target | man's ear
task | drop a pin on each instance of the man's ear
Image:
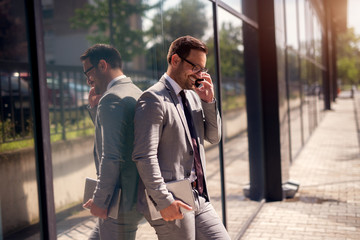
(103, 65)
(175, 60)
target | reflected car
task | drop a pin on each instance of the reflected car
(72, 95)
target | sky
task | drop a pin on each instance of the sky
(353, 15)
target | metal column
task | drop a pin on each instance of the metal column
(41, 119)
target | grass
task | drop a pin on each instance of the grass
(233, 102)
(55, 136)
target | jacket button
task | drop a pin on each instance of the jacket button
(191, 152)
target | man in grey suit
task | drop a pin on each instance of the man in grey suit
(172, 120)
(116, 95)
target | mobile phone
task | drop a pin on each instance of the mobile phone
(197, 82)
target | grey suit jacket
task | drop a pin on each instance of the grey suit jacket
(114, 144)
(162, 149)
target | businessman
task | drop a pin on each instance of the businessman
(112, 103)
(172, 120)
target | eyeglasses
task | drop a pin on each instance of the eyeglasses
(88, 70)
(196, 68)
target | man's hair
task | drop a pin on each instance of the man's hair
(103, 51)
(183, 45)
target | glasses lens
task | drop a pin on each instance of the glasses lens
(88, 70)
(196, 69)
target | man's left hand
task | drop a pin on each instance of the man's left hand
(95, 210)
(206, 91)
(93, 98)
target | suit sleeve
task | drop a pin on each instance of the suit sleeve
(92, 112)
(115, 117)
(148, 124)
(212, 123)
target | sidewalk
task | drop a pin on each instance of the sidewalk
(327, 205)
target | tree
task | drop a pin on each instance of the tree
(116, 22)
(348, 61)
(186, 18)
(231, 53)
(232, 65)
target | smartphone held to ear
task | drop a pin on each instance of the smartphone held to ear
(197, 82)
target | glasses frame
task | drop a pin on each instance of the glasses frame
(203, 70)
(88, 70)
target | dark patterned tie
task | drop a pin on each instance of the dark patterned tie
(197, 161)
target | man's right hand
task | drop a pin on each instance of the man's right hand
(173, 212)
(95, 210)
(93, 98)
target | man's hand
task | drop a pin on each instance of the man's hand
(93, 98)
(172, 212)
(95, 210)
(206, 91)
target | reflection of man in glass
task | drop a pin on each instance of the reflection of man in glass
(172, 120)
(112, 105)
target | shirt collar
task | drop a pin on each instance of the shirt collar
(173, 84)
(114, 80)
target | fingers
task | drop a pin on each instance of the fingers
(98, 212)
(173, 212)
(184, 205)
(88, 204)
(93, 98)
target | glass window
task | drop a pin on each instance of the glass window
(305, 99)
(293, 79)
(18, 191)
(302, 31)
(142, 31)
(283, 103)
(235, 4)
(318, 41)
(291, 24)
(236, 154)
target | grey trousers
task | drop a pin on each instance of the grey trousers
(202, 224)
(124, 227)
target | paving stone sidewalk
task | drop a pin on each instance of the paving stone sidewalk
(327, 205)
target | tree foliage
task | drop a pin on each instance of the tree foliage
(185, 18)
(231, 52)
(348, 57)
(127, 34)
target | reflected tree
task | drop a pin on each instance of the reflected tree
(348, 61)
(232, 64)
(185, 18)
(116, 22)
(231, 51)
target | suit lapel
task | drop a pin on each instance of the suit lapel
(180, 111)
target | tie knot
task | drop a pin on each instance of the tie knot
(182, 94)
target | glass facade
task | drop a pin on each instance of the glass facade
(18, 190)
(142, 30)
(233, 101)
